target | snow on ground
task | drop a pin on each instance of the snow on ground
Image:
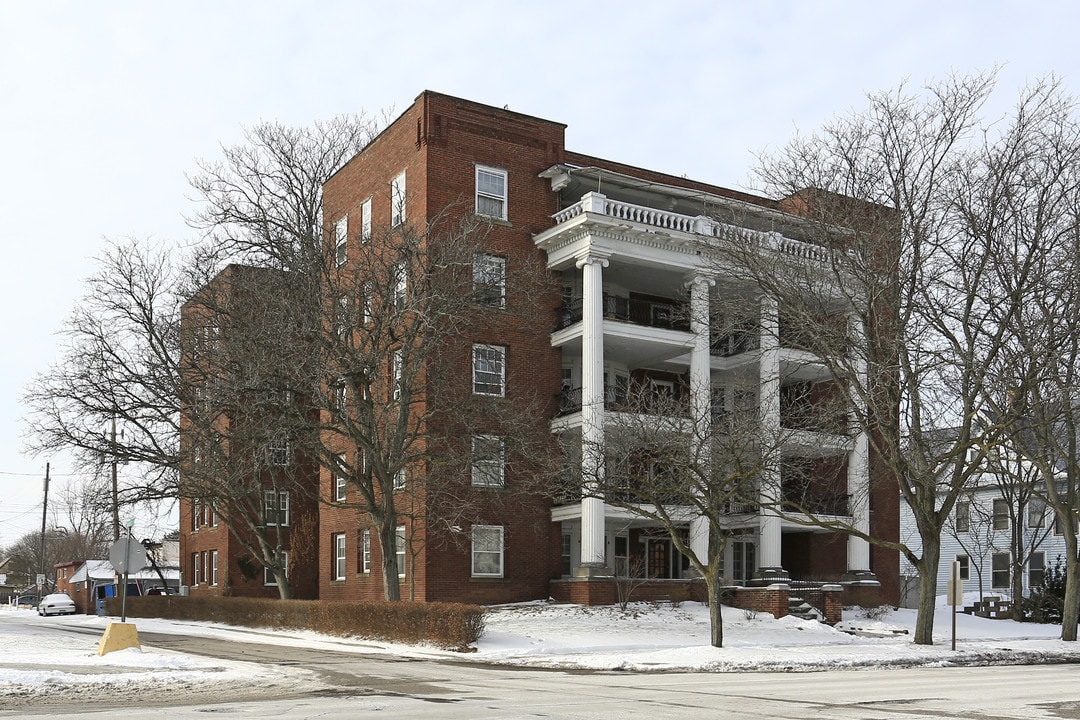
(36, 661)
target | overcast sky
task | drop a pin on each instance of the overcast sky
(105, 106)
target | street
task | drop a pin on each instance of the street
(360, 685)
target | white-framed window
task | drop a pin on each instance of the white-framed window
(365, 551)
(203, 566)
(277, 453)
(1036, 569)
(487, 551)
(489, 370)
(268, 575)
(491, 192)
(488, 461)
(194, 568)
(365, 220)
(566, 555)
(213, 566)
(400, 478)
(212, 515)
(1001, 514)
(276, 507)
(963, 516)
(366, 300)
(489, 280)
(399, 543)
(196, 513)
(965, 566)
(401, 285)
(342, 324)
(339, 556)
(341, 240)
(397, 200)
(341, 395)
(395, 375)
(1036, 513)
(999, 575)
(339, 479)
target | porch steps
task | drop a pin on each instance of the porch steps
(802, 609)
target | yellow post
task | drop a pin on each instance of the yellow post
(118, 636)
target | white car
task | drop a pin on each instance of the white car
(56, 604)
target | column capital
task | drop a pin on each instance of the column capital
(592, 256)
(699, 277)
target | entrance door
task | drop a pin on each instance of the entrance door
(658, 558)
(744, 561)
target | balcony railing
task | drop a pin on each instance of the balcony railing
(691, 224)
(649, 313)
(617, 399)
(819, 503)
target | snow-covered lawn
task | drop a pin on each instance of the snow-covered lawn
(37, 661)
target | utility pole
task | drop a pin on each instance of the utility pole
(44, 517)
(115, 487)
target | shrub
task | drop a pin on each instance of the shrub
(1044, 604)
(454, 626)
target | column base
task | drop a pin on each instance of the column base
(592, 571)
(769, 575)
(859, 577)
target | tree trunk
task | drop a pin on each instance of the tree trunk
(388, 545)
(283, 586)
(716, 620)
(927, 567)
(1070, 611)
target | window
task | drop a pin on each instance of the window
(341, 395)
(488, 461)
(276, 508)
(399, 479)
(341, 240)
(489, 280)
(399, 545)
(489, 370)
(999, 577)
(211, 515)
(401, 285)
(339, 556)
(196, 513)
(395, 375)
(342, 324)
(277, 453)
(487, 551)
(365, 551)
(1036, 569)
(195, 568)
(622, 556)
(965, 567)
(339, 479)
(1001, 514)
(366, 300)
(565, 556)
(202, 566)
(397, 200)
(268, 575)
(963, 516)
(213, 567)
(491, 192)
(365, 220)
(1036, 513)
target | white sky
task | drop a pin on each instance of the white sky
(104, 107)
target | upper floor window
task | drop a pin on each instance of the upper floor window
(341, 240)
(276, 507)
(963, 516)
(397, 200)
(491, 192)
(400, 478)
(489, 280)
(339, 479)
(489, 370)
(401, 285)
(1001, 514)
(488, 461)
(1036, 513)
(365, 220)
(277, 453)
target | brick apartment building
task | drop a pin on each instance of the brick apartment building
(620, 246)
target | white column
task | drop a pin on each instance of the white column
(858, 475)
(700, 397)
(592, 409)
(769, 562)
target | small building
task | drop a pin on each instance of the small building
(89, 582)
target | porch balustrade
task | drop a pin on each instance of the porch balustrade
(669, 316)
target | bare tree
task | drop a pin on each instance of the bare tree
(883, 246)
